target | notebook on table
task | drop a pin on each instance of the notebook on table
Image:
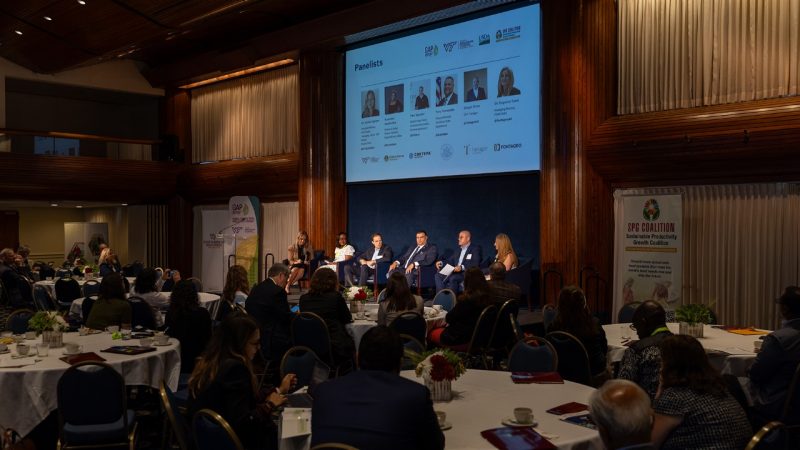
(128, 349)
(568, 408)
(536, 377)
(81, 357)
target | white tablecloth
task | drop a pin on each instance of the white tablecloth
(484, 398)
(360, 326)
(51, 284)
(729, 353)
(29, 393)
(207, 300)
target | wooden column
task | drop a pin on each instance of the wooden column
(322, 195)
(578, 94)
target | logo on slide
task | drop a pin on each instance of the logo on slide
(484, 39)
(498, 147)
(448, 46)
(447, 152)
(431, 50)
(474, 149)
(466, 43)
(365, 159)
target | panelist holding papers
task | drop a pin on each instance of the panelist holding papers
(469, 255)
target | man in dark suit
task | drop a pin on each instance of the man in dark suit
(268, 304)
(502, 290)
(467, 255)
(449, 97)
(477, 92)
(374, 407)
(369, 260)
(421, 102)
(421, 255)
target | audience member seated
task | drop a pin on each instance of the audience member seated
(621, 411)
(223, 381)
(23, 265)
(234, 294)
(268, 305)
(342, 252)
(111, 307)
(467, 255)
(420, 255)
(13, 281)
(375, 254)
(188, 322)
(505, 252)
(324, 300)
(641, 362)
(573, 316)
(374, 407)
(502, 290)
(692, 408)
(398, 300)
(108, 262)
(774, 367)
(461, 320)
(300, 253)
(148, 287)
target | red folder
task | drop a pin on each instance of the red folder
(568, 408)
(536, 377)
(81, 357)
(508, 438)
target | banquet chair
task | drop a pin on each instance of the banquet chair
(475, 350)
(573, 360)
(198, 285)
(17, 321)
(333, 446)
(625, 314)
(86, 306)
(446, 298)
(92, 408)
(301, 361)
(67, 290)
(212, 432)
(549, 313)
(175, 423)
(503, 336)
(142, 314)
(412, 348)
(410, 323)
(771, 436)
(46, 272)
(91, 287)
(789, 413)
(382, 296)
(533, 354)
(43, 300)
(309, 330)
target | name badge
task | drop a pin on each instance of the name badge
(469, 256)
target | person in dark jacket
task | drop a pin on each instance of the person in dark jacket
(324, 300)
(268, 305)
(188, 322)
(575, 318)
(461, 320)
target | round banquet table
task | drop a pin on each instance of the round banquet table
(208, 301)
(29, 392)
(728, 352)
(358, 327)
(51, 284)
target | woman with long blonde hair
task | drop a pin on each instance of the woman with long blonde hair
(300, 253)
(505, 252)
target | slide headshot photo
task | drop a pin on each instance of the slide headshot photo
(369, 102)
(446, 90)
(505, 83)
(394, 98)
(475, 85)
(419, 94)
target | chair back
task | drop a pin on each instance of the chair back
(549, 313)
(412, 324)
(309, 330)
(503, 335)
(573, 360)
(212, 432)
(177, 421)
(446, 298)
(791, 406)
(552, 283)
(302, 362)
(412, 348)
(198, 285)
(142, 314)
(46, 272)
(382, 295)
(483, 330)
(771, 436)
(43, 300)
(625, 314)
(67, 290)
(533, 355)
(17, 321)
(521, 276)
(91, 393)
(91, 287)
(86, 306)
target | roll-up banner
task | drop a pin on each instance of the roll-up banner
(241, 239)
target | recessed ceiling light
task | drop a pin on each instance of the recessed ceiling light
(79, 206)
(54, 204)
(48, 18)
(18, 32)
(124, 204)
(81, 2)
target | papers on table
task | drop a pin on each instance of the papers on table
(295, 422)
(8, 361)
(447, 270)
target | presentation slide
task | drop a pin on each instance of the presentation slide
(463, 99)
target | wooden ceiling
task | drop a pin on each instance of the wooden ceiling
(156, 32)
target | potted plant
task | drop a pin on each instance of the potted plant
(439, 368)
(51, 325)
(691, 318)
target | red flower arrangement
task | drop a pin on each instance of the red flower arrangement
(360, 295)
(441, 368)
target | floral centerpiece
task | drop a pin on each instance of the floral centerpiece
(691, 318)
(357, 296)
(439, 368)
(51, 325)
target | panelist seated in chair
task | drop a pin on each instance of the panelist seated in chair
(374, 407)
(467, 255)
(375, 254)
(421, 255)
(343, 252)
(300, 253)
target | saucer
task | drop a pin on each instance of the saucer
(445, 426)
(162, 345)
(511, 422)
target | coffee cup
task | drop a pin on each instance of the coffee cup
(30, 335)
(146, 342)
(757, 345)
(112, 328)
(441, 417)
(523, 415)
(162, 339)
(71, 348)
(23, 349)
